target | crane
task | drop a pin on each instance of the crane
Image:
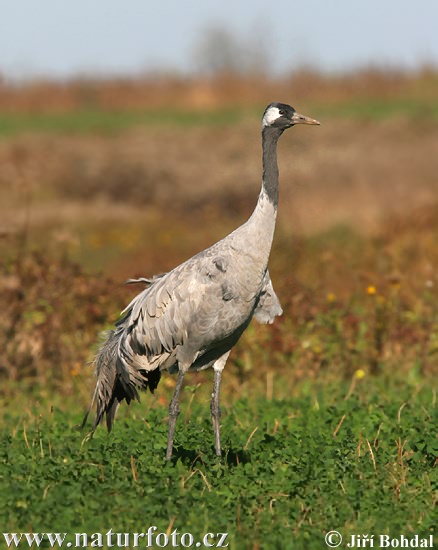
(191, 317)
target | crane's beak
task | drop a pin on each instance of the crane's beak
(301, 119)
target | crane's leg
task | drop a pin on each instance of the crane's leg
(215, 408)
(216, 411)
(173, 414)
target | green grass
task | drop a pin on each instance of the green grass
(380, 109)
(107, 121)
(356, 459)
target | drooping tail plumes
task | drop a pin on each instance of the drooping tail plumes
(113, 382)
(107, 389)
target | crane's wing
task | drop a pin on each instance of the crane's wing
(153, 323)
(176, 317)
(268, 306)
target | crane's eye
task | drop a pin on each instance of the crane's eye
(282, 112)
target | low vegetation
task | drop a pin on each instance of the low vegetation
(328, 457)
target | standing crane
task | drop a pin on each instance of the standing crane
(191, 317)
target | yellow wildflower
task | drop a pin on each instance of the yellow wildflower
(371, 290)
(331, 297)
(359, 374)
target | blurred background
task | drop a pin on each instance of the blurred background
(125, 128)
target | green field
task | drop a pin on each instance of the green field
(111, 122)
(358, 461)
(103, 121)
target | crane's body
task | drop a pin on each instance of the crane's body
(191, 317)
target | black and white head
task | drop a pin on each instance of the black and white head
(282, 116)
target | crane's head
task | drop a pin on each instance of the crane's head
(282, 116)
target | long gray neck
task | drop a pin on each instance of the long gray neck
(258, 232)
(270, 137)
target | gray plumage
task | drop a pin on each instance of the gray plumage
(191, 317)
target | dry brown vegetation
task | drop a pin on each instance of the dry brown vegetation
(353, 172)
